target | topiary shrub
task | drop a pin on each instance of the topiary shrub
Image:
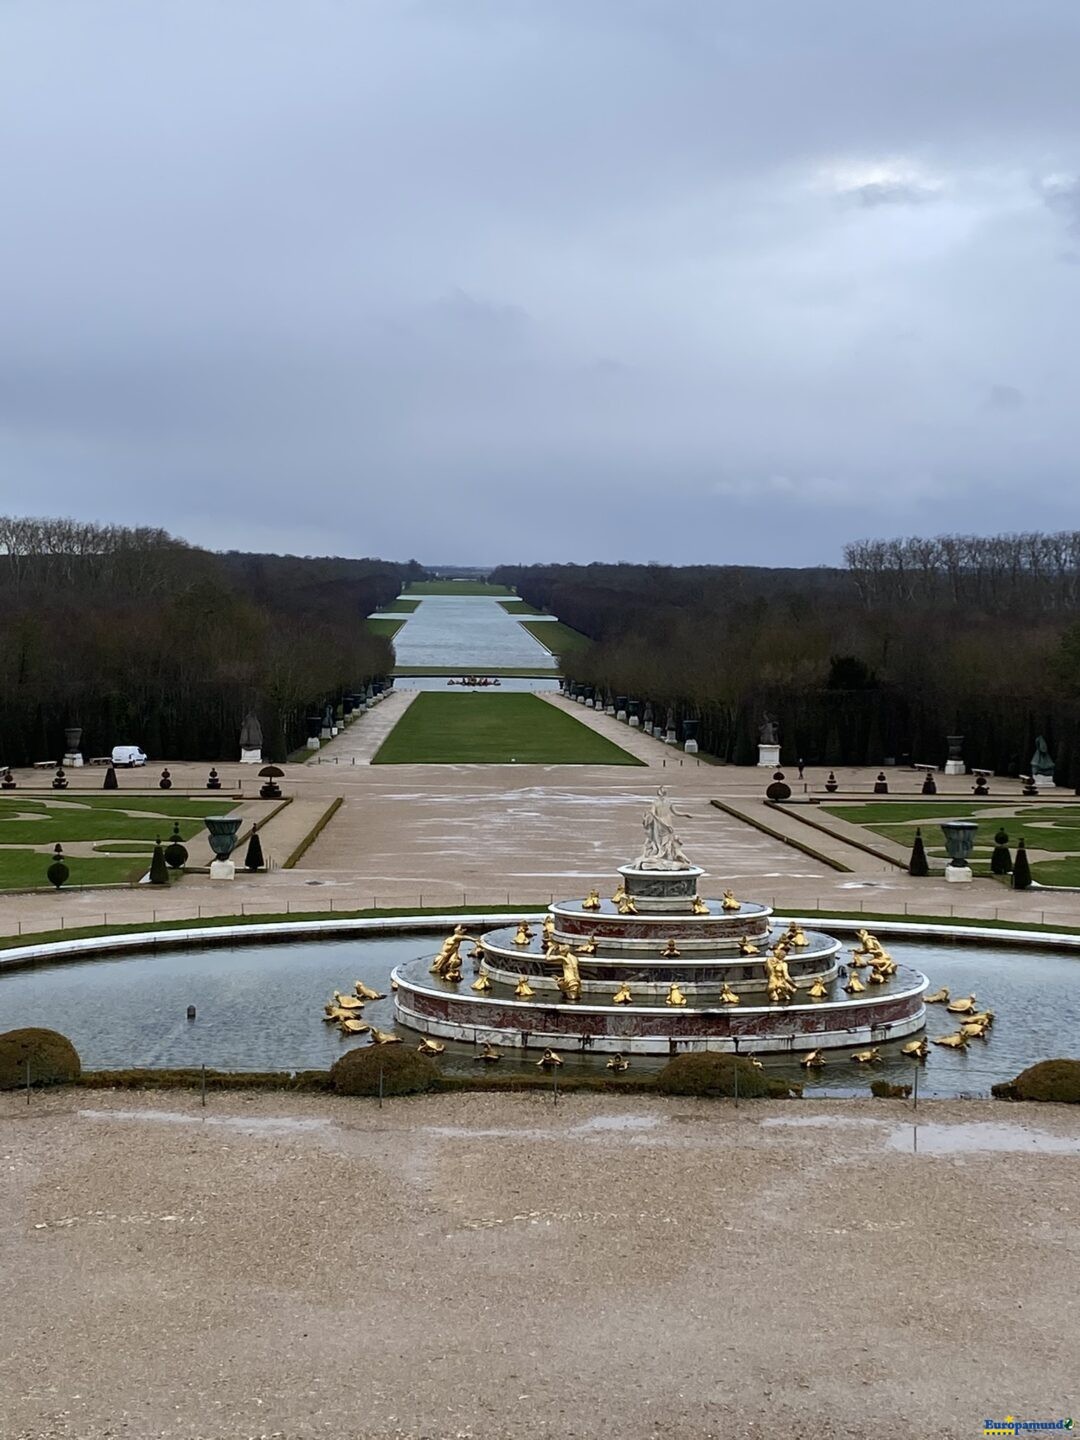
(1052, 1080)
(1021, 873)
(918, 864)
(53, 1059)
(254, 859)
(159, 871)
(703, 1073)
(404, 1072)
(1000, 859)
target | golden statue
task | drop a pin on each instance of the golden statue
(700, 907)
(747, 946)
(452, 973)
(353, 1027)
(488, 1054)
(962, 1007)
(622, 996)
(868, 944)
(481, 984)
(918, 1048)
(818, 990)
(854, 985)
(348, 1002)
(365, 992)
(670, 950)
(523, 990)
(448, 953)
(587, 947)
(570, 983)
(796, 935)
(548, 926)
(431, 1047)
(813, 1061)
(626, 905)
(728, 996)
(384, 1037)
(939, 997)
(591, 901)
(620, 892)
(877, 977)
(675, 996)
(974, 1032)
(522, 935)
(866, 1057)
(618, 1062)
(956, 1041)
(549, 1060)
(779, 985)
(729, 902)
(981, 1017)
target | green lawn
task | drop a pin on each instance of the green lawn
(389, 628)
(474, 729)
(399, 606)
(455, 587)
(100, 819)
(1044, 827)
(555, 636)
(520, 607)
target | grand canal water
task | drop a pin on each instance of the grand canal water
(472, 632)
(259, 1007)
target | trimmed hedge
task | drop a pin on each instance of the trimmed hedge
(1050, 1080)
(703, 1073)
(53, 1059)
(404, 1072)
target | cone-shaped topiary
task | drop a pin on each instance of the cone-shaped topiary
(110, 781)
(929, 785)
(159, 870)
(58, 871)
(1000, 859)
(176, 851)
(1021, 874)
(53, 1059)
(1054, 1080)
(253, 860)
(702, 1073)
(404, 1072)
(918, 864)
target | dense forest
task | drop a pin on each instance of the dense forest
(143, 639)
(913, 641)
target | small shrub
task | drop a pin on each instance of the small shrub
(254, 860)
(918, 864)
(778, 790)
(159, 871)
(404, 1072)
(1021, 874)
(53, 1059)
(703, 1073)
(1049, 1080)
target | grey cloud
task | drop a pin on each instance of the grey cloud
(897, 192)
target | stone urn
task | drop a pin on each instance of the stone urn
(223, 831)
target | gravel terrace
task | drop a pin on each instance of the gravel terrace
(491, 1266)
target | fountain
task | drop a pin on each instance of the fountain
(658, 970)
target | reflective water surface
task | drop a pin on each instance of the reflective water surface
(260, 1006)
(472, 631)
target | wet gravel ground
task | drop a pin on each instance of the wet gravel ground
(489, 1266)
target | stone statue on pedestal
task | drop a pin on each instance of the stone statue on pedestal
(662, 850)
(251, 740)
(1042, 764)
(768, 734)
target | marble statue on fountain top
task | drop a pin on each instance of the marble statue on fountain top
(662, 849)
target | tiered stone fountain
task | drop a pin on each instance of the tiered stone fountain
(657, 970)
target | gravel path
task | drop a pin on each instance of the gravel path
(489, 1266)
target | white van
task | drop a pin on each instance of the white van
(128, 755)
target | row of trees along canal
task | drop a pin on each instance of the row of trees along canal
(914, 640)
(143, 639)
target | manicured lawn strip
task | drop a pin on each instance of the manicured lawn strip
(126, 847)
(1056, 872)
(918, 811)
(25, 869)
(400, 604)
(520, 607)
(96, 820)
(504, 672)
(389, 628)
(475, 729)
(455, 587)
(1056, 828)
(555, 636)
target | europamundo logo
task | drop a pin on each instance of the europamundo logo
(1011, 1426)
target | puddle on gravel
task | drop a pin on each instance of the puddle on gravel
(272, 1124)
(842, 1122)
(986, 1136)
(616, 1122)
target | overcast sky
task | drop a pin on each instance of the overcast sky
(484, 280)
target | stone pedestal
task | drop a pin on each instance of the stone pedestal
(768, 757)
(958, 874)
(250, 757)
(690, 747)
(314, 743)
(222, 870)
(955, 767)
(661, 890)
(1042, 782)
(635, 722)
(73, 761)
(670, 738)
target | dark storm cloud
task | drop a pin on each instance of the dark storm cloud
(513, 279)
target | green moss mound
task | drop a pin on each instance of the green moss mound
(1053, 1080)
(53, 1059)
(404, 1072)
(706, 1074)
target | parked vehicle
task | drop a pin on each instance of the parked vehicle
(129, 755)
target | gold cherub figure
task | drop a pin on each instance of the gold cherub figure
(549, 1060)
(620, 892)
(488, 1054)
(854, 985)
(626, 905)
(522, 935)
(779, 985)
(570, 981)
(728, 996)
(618, 1062)
(675, 996)
(818, 990)
(700, 906)
(796, 936)
(622, 996)
(670, 950)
